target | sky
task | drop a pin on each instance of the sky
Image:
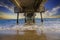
(52, 10)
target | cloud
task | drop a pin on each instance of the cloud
(11, 8)
(10, 16)
(47, 14)
(50, 13)
(14, 16)
(53, 11)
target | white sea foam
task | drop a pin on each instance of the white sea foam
(51, 29)
(46, 26)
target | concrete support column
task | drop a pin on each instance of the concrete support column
(17, 18)
(41, 17)
(29, 18)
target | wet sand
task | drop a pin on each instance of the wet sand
(28, 35)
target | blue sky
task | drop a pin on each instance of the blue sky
(49, 4)
(7, 7)
(52, 3)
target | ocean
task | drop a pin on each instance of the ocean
(46, 21)
(51, 27)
